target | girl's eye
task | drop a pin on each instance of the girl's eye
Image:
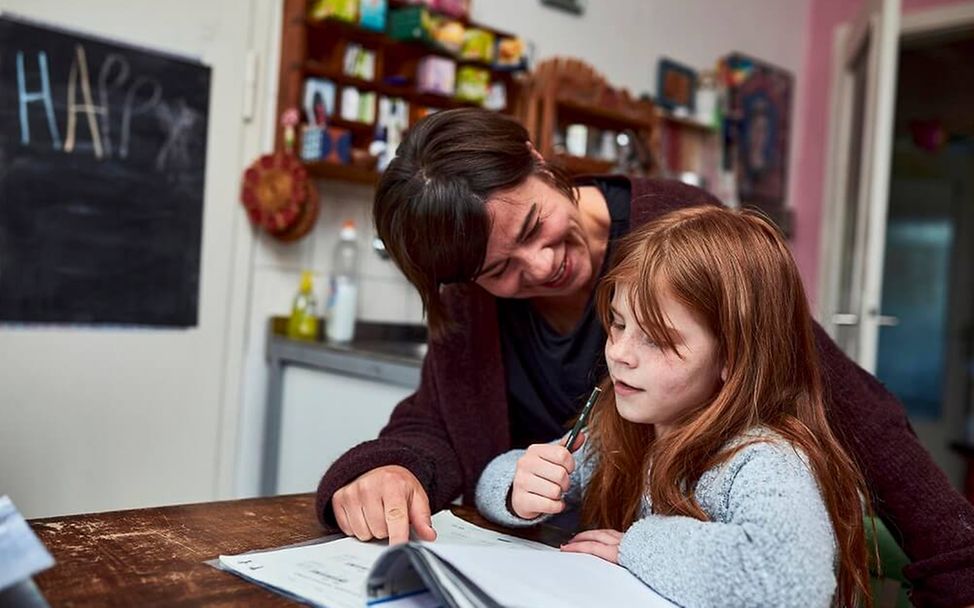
(649, 341)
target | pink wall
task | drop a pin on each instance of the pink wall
(808, 165)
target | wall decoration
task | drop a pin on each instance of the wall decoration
(676, 86)
(102, 169)
(759, 98)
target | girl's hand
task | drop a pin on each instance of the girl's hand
(600, 543)
(541, 479)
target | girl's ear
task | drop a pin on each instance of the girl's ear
(723, 374)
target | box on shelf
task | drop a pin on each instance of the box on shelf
(343, 10)
(357, 106)
(511, 54)
(329, 144)
(372, 14)
(319, 100)
(478, 45)
(472, 83)
(359, 62)
(455, 8)
(417, 23)
(435, 74)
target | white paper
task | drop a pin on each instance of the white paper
(21, 553)
(539, 579)
(333, 574)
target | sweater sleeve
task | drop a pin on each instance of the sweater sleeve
(934, 523)
(415, 438)
(495, 483)
(774, 548)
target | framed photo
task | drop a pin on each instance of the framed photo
(676, 85)
(760, 97)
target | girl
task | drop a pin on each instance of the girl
(710, 472)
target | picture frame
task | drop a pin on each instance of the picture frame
(676, 85)
(760, 99)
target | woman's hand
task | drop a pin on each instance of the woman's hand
(384, 503)
(600, 543)
(541, 479)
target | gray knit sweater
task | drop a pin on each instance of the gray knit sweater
(770, 541)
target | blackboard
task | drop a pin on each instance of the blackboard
(102, 165)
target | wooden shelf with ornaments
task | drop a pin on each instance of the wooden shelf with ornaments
(562, 92)
(316, 49)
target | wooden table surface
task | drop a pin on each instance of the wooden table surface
(155, 557)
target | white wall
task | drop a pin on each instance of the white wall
(621, 38)
(107, 418)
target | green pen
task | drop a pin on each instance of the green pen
(583, 417)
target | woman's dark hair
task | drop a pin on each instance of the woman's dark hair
(430, 205)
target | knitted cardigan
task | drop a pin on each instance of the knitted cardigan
(457, 421)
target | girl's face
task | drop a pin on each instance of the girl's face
(537, 245)
(654, 385)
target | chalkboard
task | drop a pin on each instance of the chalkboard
(102, 165)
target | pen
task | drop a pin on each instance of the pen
(583, 417)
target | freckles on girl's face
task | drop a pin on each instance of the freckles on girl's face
(653, 384)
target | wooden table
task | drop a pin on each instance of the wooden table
(147, 557)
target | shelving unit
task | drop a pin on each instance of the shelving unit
(317, 48)
(564, 91)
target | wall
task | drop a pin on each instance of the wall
(107, 418)
(808, 183)
(621, 38)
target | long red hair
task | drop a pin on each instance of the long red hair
(734, 271)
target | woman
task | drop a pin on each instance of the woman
(505, 253)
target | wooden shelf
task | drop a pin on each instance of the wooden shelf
(580, 165)
(317, 48)
(597, 116)
(370, 38)
(314, 68)
(347, 173)
(686, 121)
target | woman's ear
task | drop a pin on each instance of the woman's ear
(723, 374)
(537, 155)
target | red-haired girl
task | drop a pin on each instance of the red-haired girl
(710, 470)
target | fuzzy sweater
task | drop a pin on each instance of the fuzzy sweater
(769, 541)
(457, 421)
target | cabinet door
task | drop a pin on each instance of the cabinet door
(324, 415)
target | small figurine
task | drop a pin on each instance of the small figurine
(290, 120)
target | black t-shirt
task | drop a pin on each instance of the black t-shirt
(549, 375)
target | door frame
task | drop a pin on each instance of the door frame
(915, 23)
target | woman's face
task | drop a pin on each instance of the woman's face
(652, 384)
(538, 246)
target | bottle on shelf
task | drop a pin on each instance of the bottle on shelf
(343, 301)
(303, 322)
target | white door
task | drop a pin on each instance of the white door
(860, 147)
(96, 418)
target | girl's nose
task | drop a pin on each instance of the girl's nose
(618, 351)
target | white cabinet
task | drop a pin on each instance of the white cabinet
(323, 415)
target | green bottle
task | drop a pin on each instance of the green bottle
(303, 322)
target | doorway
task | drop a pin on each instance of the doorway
(898, 263)
(925, 356)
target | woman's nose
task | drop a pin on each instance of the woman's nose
(538, 265)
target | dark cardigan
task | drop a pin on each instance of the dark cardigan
(457, 421)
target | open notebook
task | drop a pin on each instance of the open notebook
(467, 566)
